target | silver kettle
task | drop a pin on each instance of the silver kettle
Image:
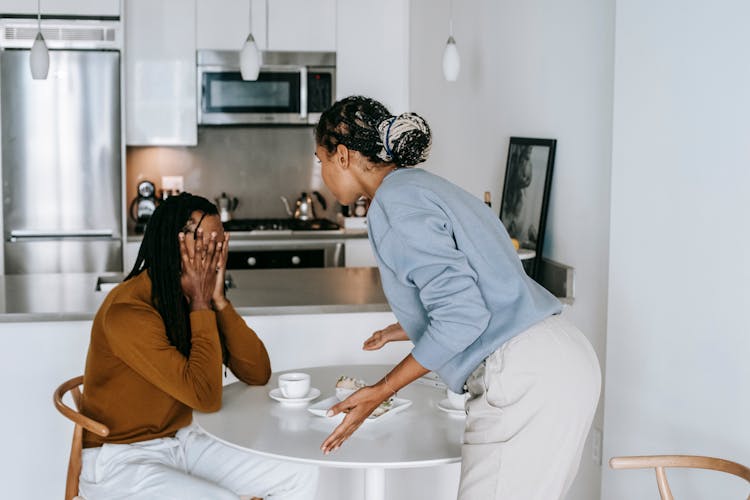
(226, 205)
(304, 209)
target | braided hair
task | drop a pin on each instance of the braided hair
(365, 125)
(159, 256)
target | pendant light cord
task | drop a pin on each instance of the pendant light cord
(267, 25)
(39, 15)
(251, 20)
(450, 17)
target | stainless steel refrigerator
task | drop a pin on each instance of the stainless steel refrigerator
(61, 162)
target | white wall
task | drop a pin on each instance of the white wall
(538, 68)
(372, 52)
(678, 376)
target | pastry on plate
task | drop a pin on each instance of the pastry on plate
(346, 386)
(384, 407)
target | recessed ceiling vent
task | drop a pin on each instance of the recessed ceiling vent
(77, 34)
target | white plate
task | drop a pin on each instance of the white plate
(321, 408)
(449, 408)
(342, 393)
(278, 396)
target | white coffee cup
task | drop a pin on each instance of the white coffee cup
(294, 385)
(456, 400)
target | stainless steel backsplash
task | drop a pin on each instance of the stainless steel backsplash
(255, 164)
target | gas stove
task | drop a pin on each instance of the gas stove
(286, 224)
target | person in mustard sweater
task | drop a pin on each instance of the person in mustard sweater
(157, 347)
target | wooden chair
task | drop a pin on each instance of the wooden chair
(661, 462)
(81, 422)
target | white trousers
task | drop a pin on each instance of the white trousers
(530, 409)
(191, 465)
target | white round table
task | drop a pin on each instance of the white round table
(419, 436)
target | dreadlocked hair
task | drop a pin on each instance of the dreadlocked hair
(365, 125)
(159, 256)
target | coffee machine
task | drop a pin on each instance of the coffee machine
(143, 205)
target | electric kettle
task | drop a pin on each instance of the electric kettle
(304, 209)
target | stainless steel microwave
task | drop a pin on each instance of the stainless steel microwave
(293, 88)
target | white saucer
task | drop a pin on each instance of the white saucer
(278, 396)
(448, 408)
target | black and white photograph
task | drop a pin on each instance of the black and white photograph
(528, 177)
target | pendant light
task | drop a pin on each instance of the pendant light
(250, 55)
(39, 60)
(451, 61)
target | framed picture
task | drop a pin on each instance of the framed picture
(523, 209)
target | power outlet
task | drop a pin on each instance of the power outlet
(173, 183)
(596, 445)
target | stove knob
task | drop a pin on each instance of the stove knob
(251, 261)
(296, 260)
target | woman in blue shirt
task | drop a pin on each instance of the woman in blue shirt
(456, 285)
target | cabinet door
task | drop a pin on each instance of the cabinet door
(297, 25)
(161, 75)
(372, 36)
(224, 24)
(301, 25)
(62, 7)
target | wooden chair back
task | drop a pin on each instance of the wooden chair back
(81, 422)
(661, 462)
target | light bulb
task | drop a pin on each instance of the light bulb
(451, 61)
(250, 59)
(39, 58)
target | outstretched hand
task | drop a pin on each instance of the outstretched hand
(390, 333)
(358, 407)
(362, 403)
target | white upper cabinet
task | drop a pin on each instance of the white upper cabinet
(372, 56)
(298, 25)
(62, 7)
(161, 102)
(223, 24)
(301, 24)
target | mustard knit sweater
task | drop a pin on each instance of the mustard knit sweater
(142, 387)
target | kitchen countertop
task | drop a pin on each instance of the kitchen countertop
(260, 292)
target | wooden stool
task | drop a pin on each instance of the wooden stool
(661, 462)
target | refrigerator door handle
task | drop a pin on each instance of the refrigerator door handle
(25, 234)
